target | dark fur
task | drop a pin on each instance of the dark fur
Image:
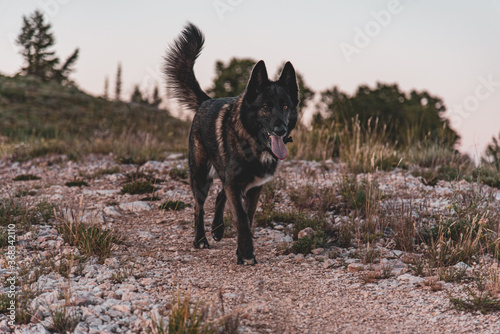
(231, 135)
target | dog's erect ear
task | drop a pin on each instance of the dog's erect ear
(258, 78)
(288, 80)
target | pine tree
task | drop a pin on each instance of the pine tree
(155, 99)
(36, 40)
(118, 87)
(137, 96)
(106, 88)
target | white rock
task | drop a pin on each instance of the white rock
(328, 263)
(462, 266)
(36, 329)
(111, 211)
(411, 279)
(355, 267)
(122, 308)
(307, 232)
(136, 206)
(103, 192)
(56, 197)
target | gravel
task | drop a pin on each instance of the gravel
(283, 293)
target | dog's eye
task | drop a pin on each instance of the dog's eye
(285, 107)
(265, 107)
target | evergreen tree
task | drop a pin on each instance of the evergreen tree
(155, 99)
(493, 152)
(231, 79)
(118, 84)
(36, 41)
(106, 88)
(137, 96)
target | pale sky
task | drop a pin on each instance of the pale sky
(450, 48)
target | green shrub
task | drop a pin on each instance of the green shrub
(138, 187)
(26, 177)
(173, 206)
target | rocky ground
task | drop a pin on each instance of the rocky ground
(329, 291)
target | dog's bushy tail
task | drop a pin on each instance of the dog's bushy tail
(179, 62)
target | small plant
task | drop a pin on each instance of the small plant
(151, 198)
(369, 254)
(106, 171)
(178, 173)
(138, 187)
(76, 183)
(482, 302)
(346, 234)
(64, 320)
(4, 302)
(45, 211)
(419, 265)
(120, 275)
(26, 177)
(24, 311)
(306, 244)
(24, 193)
(133, 160)
(311, 198)
(90, 240)
(187, 318)
(173, 206)
(451, 274)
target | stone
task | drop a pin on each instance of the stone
(328, 263)
(36, 329)
(122, 308)
(111, 211)
(462, 266)
(355, 267)
(411, 279)
(317, 251)
(307, 232)
(137, 206)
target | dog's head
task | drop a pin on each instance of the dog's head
(269, 108)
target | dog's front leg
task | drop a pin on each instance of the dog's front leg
(245, 251)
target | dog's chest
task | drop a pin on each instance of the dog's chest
(258, 181)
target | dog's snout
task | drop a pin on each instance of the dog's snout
(280, 130)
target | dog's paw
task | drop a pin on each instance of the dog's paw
(249, 262)
(218, 231)
(201, 243)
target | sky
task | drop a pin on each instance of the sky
(451, 48)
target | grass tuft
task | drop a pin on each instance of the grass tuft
(90, 240)
(76, 183)
(64, 320)
(138, 187)
(173, 206)
(26, 177)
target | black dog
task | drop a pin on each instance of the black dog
(239, 139)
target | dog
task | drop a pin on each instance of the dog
(238, 139)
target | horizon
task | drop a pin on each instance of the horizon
(445, 48)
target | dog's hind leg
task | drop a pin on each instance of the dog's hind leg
(218, 223)
(200, 184)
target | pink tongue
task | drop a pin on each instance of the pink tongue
(278, 147)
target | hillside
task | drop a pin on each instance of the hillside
(38, 118)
